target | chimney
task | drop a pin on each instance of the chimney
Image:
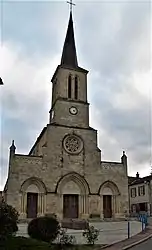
(137, 175)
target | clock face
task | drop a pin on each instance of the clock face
(73, 110)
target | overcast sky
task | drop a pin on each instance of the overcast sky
(113, 43)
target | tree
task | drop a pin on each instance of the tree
(8, 220)
(44, 228)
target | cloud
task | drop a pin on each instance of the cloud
(113, 42)
(23, 21)
(124, 117)
(122, 81)
(118, 39)
(26, 100)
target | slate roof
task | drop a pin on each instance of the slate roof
(69, 55)
(140, 180)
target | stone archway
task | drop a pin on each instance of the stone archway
(109, 193)
(33, 193)
(73, 194)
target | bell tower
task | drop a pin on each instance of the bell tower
(69, 87)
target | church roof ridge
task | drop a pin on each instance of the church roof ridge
(28, 156)
(112, 162)
(37, 140)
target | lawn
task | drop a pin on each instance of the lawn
(21, 243)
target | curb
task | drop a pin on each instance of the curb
(137, 242)
(110, 245)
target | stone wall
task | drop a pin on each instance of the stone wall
(88, 175)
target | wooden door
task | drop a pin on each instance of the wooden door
(70, 206)
(32, 201)
(107, 206)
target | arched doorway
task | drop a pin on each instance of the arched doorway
(73, 192)
(32, 198)
(107, 202)
(32, 201)
(109, 197)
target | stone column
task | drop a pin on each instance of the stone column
(60, 206)
(24, 205)
(87, 204)
(117, 206)
(113, 208)
(22, 213)
(84, 204)
(42, 211)
(41, 204)
(21, 203)
(39, 210)
(84, 212)
(45, 203)
(80, 206)
(101, 207)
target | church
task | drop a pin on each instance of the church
(63, 174)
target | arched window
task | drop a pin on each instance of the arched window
(76, 88)
(69, 86)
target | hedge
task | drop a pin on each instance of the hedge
(22, 243)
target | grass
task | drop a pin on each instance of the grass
(22, 243)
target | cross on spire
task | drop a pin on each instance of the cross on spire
(71, 3)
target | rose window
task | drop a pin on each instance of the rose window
(73, 144)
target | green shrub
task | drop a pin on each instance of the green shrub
(8, 220)
(44, 228)
(66, 240)
(91, 234)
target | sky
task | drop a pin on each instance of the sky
(113, 41)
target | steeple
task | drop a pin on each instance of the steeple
(69, 86)
(69, 55)
(12, 148)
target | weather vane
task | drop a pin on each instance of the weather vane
(70, 5)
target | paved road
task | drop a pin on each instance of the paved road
(110, 232)
(150, 220)
(147, 245)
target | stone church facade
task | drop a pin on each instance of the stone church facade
(63, 173)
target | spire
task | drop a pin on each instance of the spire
(69, 55)
(124, 158)
(12, 148)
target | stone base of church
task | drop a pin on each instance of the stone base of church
(81, 216)
(119, 216)
(85, 216)
(22, 216)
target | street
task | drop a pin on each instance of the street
(147, 245)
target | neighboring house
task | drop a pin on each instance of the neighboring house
(140, 195)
